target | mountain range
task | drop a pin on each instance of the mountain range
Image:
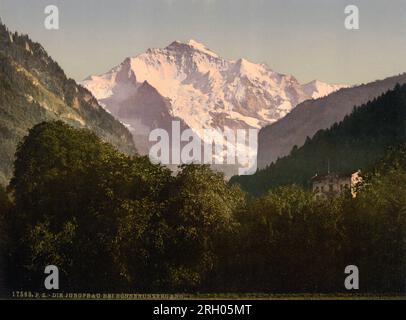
(277, 140)
(357, 142)
(33, 89)
(188, 82)
(184, 82)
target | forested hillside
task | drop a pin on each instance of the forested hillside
(277, 140)
(355, 143)
(33, 88)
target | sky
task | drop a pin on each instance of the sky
(304, 38)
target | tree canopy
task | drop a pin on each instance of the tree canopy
(113, 222)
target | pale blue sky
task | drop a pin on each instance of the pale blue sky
(305, 38)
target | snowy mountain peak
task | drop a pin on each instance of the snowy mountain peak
(201, 88)
(191, 45)
(195, 85)
(201, 47)
(318, 89)
(196, 44)
(249, 68)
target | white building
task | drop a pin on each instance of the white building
(333, 185)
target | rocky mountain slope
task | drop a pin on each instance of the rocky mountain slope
(356, 143)
(33, 89)
(278, 139)
(188, 81)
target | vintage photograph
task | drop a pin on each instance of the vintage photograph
(202, 149)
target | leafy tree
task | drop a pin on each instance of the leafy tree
(140, 243)
(112, 222)
(200, 214)
(5, 204)
(73, 193)
(291, 242)
(5, 211)
(377, 225)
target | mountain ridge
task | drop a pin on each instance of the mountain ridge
(357, 142)
(278, 139)
(34, 88)
(202, 89)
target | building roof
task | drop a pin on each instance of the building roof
(331, 175)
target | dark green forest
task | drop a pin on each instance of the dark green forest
(117, 223)
(357, 142)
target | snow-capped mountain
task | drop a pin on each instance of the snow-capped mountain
(191, 83)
